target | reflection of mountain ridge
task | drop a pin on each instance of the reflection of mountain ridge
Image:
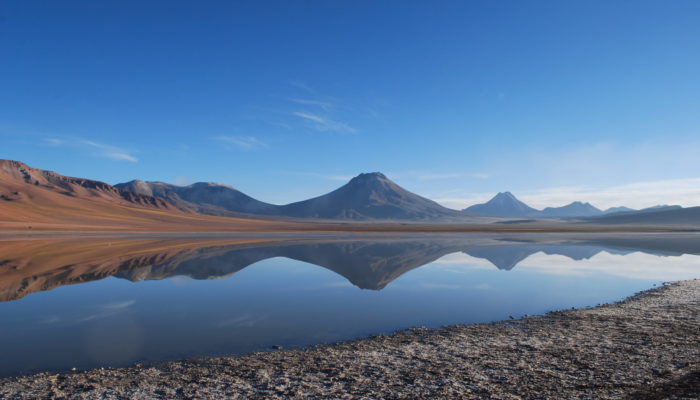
(508, 256)
(367, 264)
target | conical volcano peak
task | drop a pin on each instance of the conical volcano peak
(210, 185)
(368, 176)
(503, 204)
(370, 196)
(505, 195)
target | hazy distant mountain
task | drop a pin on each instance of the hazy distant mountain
(203, 197)
(620, 209)
(370, 196)
(575, 209)
(503, 205)
(663, 207)
(625, 210)
(667, 215)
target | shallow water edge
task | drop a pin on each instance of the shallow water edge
(646, 345)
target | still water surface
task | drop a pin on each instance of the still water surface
(81, 303)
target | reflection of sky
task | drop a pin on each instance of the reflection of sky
(283, 302)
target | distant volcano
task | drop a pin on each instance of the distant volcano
(503, 205)
(575, 209)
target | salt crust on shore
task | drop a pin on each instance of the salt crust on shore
(645, 347)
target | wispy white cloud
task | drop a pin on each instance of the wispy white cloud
(323, 123)
(330, 177)
(434, 176)
(244, 142)
(53, 141)
(637, 195)
(121, 157)
(324, 105)
(102, 150)
(302, 85)
(108, 151)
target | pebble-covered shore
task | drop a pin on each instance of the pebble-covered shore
(646, 347)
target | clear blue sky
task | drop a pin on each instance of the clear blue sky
(455, 100)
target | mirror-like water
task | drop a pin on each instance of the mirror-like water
(77, 302)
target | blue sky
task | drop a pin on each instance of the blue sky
(553, 100)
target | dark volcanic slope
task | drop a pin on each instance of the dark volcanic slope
(203, 197)
(370, 196)
(503, 205)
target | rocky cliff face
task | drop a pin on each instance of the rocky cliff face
(19, 181)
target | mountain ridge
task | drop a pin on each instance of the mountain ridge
(203, 197)
(28, 193)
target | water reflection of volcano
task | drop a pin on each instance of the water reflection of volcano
(27, 267)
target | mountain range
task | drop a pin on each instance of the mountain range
(368, 196)
(29, 195)
(507, 205)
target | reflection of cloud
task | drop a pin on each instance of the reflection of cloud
(433, 285)
(634, 266)
(50, 320)
(637, 265)
(242, 321)
(108, 309)
(448, 286)
(118, 305)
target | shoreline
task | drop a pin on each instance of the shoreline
(645, 346)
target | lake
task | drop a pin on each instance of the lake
(83, 302)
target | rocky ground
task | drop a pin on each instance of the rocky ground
(646, 347)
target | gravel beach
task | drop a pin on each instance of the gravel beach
(645, 347)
